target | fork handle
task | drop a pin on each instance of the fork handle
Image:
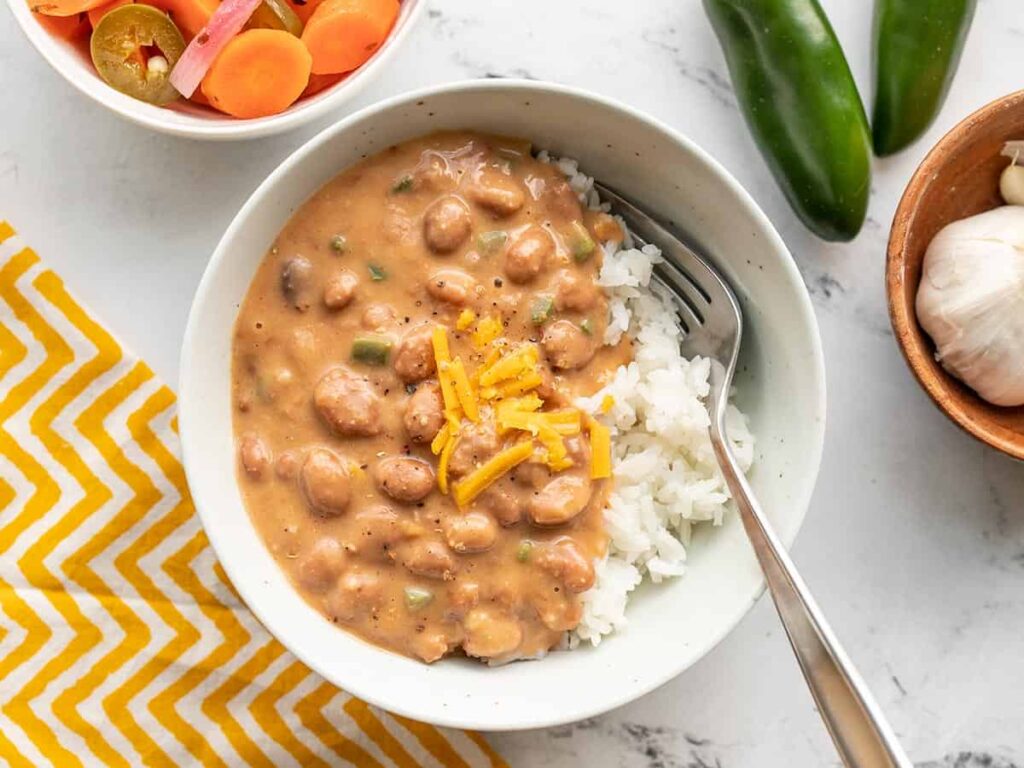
(857, 726)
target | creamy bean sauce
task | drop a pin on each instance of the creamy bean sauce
(452, 253)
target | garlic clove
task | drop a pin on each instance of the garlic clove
(1011, 184)
(971, 302)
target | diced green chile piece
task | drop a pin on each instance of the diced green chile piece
(377, 273)
(404, 184)
(541, 311)
(800, 102)
(260, 385)
(917, 49)
(120, 47)
(339, 244)
(587, 327)
(524, 550)
(372, 350)
(582, 243)
(417, 597)
(488, 243)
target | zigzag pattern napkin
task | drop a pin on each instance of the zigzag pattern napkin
(122, 642)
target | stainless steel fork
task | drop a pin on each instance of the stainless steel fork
(713, 322)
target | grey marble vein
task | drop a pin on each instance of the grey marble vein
(971, 760)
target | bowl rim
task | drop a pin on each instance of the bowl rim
(803, 485)
(223, 128)
(903, 317)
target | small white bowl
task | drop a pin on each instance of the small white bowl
(194, 121)
(781, 387)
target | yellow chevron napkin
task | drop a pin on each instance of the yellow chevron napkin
(122, 642)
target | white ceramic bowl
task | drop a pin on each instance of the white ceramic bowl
(782, 387)
(193, 120)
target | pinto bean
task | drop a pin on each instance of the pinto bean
(255, 455)
(414, 354)
(561, 202)
(566, 563)
(557, 611)
(340, 289)
(355, 593)
(497, 192)
(297, 282)
(378, 317)
(566, 346)
(463, 596)
(528, 254)
(446, 224)
(427, 558)
(453, 286)
(303, 348)
(380, 529)
(429, 645)
(325, 482)
(397, 227)
(502, 503)
(549, 390)
(287, 465)
(560, 500)
(490, 633)
(532, 475)
(434, 172)
(574, 291)
(347, 403)
(424, 413)
(475, 445)
(470, 532)
(319, 568)
(404, 478)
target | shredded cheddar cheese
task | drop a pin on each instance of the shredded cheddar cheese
(521, 420)
(447, 381)
(565, 422)
(439, 339)
(442, 464)
(454, 419)
(441, 438)
(493, 354)
(555, 454)
(519, 386)
(464, 392)
(509, 366)
(600, 450)
(506, 382)
(487, 330)
(528, 403)
(481, 478)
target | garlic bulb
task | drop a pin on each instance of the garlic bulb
(971, 302)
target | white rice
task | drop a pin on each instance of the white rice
(666, 476)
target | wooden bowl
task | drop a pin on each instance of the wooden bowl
(958, 178)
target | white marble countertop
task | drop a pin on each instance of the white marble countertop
(915, 541)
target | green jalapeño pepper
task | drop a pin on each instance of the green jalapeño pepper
(799, 99)
(917, 48)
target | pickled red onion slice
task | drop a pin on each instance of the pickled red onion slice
(226, 22)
